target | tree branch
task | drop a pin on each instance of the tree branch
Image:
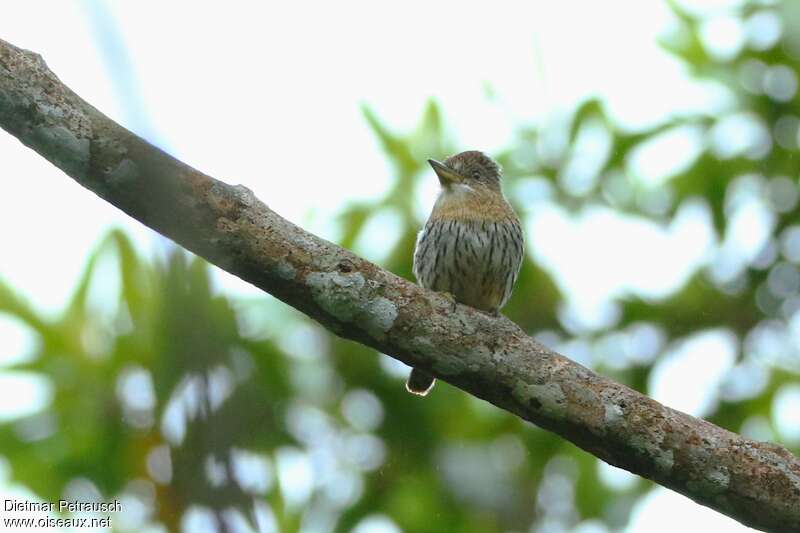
(755, 482)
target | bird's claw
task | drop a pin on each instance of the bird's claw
(450, 298)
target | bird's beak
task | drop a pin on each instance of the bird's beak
(446, 176)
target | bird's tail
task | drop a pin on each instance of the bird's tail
(419, 382)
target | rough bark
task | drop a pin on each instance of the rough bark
(756, 483)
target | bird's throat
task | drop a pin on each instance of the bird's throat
(461, 202)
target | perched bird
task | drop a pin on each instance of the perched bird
(472, 245)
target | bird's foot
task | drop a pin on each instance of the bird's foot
(450, 298)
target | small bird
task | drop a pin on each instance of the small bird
(471, 248)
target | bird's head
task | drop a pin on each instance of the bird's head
(472, 169)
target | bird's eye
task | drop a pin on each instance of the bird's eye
(476, 174)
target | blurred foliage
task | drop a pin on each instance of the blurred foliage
(198, 409)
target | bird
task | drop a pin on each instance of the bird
(471, 247)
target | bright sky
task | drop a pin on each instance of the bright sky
(268, 95)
